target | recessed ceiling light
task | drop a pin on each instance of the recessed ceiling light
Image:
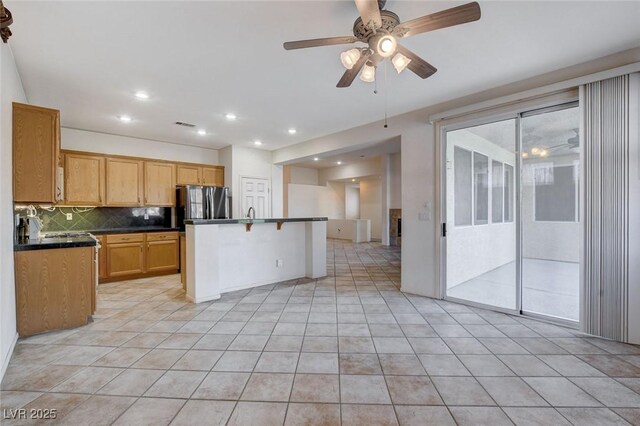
(339, 162)
(230, 116)
(257, 142)
(292, 131)
(124, 118)
(315, 158)
(142, 95)
(353, 180)
(202, 132)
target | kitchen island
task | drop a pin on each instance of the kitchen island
(225, 255)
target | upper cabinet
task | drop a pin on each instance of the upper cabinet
(189, 175)
(84, 179)
(213, 176)
(124, 182)
(36, 150)
(159, 184)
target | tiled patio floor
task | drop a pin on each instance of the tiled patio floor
(350, 349)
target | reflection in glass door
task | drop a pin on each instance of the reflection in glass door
(480, 206)
(550, 212)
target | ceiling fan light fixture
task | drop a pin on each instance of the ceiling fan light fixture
(368, 74)
(385, 45)
(350, 57)
(400, 62)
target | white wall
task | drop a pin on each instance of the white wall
(395, 196)
(356, 169)
(355, 230)
(10, 90)
(315, 200)
(352, 202)
(104, 143)
(371, 205)
(304, 175)
(468, 255)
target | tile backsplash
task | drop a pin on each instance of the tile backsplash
(101, 218)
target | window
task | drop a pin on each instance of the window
(555, 193)
(497, 191)
(481, 188)
(462, 186)
(508, 193)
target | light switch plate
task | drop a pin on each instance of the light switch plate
(69, 216)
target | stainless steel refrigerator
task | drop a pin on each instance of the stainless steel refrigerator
(202, 202)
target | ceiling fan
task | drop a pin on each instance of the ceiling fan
(381, 30)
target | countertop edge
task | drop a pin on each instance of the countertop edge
(253, 221)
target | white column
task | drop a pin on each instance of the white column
(316, 245)
(203, 279)
(385, 199)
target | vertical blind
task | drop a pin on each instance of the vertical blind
(606, 194)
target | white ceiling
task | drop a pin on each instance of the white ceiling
(199, 60)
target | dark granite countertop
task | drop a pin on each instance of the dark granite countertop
(56, 243)
(246, 220)
(132, 230)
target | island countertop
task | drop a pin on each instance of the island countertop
(252, 221)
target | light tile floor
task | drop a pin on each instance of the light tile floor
(348, 349)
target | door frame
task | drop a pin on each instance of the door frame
(517, 114)
(241, 191)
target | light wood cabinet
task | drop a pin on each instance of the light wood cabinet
(124, 182)
(159, 184)
(125, 259)
(84, 180)
(163, 255)
(55, 288)
(213, 176)
(188, 175)
(36, 151)
(102, 258)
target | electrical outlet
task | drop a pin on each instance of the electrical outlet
(69, 216)
(279, 263)
(146, 216)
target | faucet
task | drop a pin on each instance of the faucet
(251, 210)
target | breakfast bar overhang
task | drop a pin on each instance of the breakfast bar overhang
(225, 255)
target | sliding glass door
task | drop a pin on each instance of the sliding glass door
(512, 213)
(481, 229)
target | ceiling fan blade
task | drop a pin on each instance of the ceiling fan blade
(447, 18)
(350, 75)
(418, 65)
(302, 44)
(369, 12)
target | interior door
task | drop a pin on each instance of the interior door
(481, 231)
(255, 193)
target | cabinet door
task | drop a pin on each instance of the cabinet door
(189, 175)
(84, 179)
(102, 258)
(213, 176)
(162, 256)
(159, 184)
(36, 150)
(125, 259)
(53, 288)
(124, 182)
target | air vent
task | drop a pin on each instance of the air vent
(182, 123)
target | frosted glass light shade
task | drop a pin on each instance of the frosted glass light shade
(400, 62)
(349, 58)
(368, 73)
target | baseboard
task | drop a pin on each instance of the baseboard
(5, 363)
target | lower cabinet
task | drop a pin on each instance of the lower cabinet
(138, 255)
(102, 258)
(55, 288)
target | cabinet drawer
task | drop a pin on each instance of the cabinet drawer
(162, 236)
(125, 238)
